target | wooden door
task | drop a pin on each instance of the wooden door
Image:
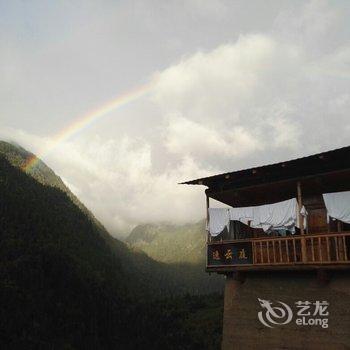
(317, 220)
(317, 214)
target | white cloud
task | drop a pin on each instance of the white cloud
(206, 8)
(184, 136)
(116, 180)
(221, 80)
(312, 25)
(246, 99)
(260, 93)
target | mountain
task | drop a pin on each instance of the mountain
(65, 283)
(172, 276)
(19, 157)
(181, 247)
(171, 243)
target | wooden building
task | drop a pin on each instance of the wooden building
(273, 257)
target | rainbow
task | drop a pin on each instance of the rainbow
(87, 119)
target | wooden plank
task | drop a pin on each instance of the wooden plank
(207, 218)
(328, 252)
(295, 253)
(300, 205)
(274, 252)
(301, 223)
(268, 251)
(345, 250)
(312, 249)
(339, 225)
(254, 258)
(287, 249)
(319, 249)
(282, 267)
(280, 247)
(261, 253)
(341, 248)
(336, 248)
(270, 239)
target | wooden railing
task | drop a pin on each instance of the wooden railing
(328, 248)
(321, 248)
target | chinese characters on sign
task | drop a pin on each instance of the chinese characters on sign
(312, 313)
(230, 254)
(307, 313)
(319, 308)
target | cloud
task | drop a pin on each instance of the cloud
(185, 136)
(312, 25)
(206, 8)
(256, 96)
(221, 80)
(246, 99)
(116, 180)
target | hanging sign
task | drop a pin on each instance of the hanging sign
(240, 253)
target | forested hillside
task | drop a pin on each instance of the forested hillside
(19, 157)
(65, 283)
(173, 276)
(171, 243)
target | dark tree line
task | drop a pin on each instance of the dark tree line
(65, 286)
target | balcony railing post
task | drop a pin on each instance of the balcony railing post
(345, 252)
(301, 224)
(207, 218)
(287, 249)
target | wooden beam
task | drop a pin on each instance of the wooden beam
(300, 206)
(207, 217)
(212, 190)
(339, 225)
(312, 249)
(285, 267)
(345, 247)
(294, 251)
(301, 223)
(280, 249)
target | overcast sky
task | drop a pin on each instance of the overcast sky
(235, 84)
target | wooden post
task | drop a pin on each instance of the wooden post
(339, 225)
(301, 223)
(207, 227)
(207, 221)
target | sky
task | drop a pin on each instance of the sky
(221, 85)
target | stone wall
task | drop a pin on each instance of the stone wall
(243, 330)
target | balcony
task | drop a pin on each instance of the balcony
(312, 251)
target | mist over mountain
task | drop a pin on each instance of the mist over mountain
(66, 283)
(171, 243)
